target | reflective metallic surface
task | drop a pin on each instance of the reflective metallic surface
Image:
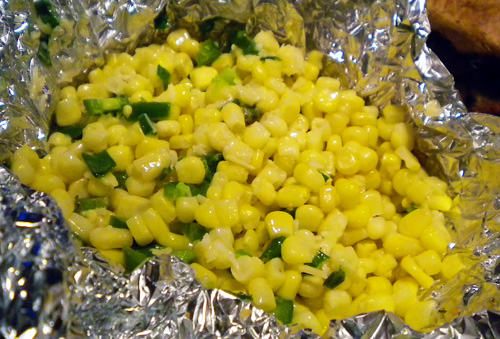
(50, 288)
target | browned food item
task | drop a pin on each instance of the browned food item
(473, 26)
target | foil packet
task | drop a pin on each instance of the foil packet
(51, 288)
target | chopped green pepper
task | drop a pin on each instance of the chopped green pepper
(121, 177)
(101, 106)
(100, 163)
(325, 177)
(85, 204)
(164, 75)
(241, 253)
(251, 113)
(188, 256)
(193, 231)
(284, 310)
(270, 58)
(155, 110)
(226, 77)
(147, 126)
(247, 44)
(161, 20)
(117, 222)
(75, 132)
(209, 52)
(273, 250)
(134, 258)
(176, 190)
(334, 279)
(243, 296)
(319, 260)
(46, 13)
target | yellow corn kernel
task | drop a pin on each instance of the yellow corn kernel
(206, 115)
(336, 303)
(411, 267)
(429, 261)
(81, 226)
(64, 201)
(311, 287)
(279, 224)
(402, 135)
(59, 139)
(202, 77)
(262, 294)
(239, 153)
(256, 135)
(227, 212)
(347, 162)
(296, 251)
(452, 264)
(167, 128)
(436, 237)
(176, 38)
(377, 301)
(122, 156)
(352, 236)
(129, 205)
(415, 222)
(393, 114)
(232, 115)
(291, 285)
(160, 232)
(206, 277)
(422, 315)
(328, 198)
(400, 245)
(369, 265)
(249, 242)
(385, 264)
(274, 124)
(439, 202)
(275, 273)
(47, 183)
(110, 237)
(378, 285)
(404, 294)
(233, 172)
(138, 187)
(190, 170)
(410, 160)
(246, 268)
(116, 134)
(24, 170)
(349, 192)
(163, 206)
(206, 215)
(95, 137)
(139, 230)
(359, 216)
(116, 257)
(68, 112)
(365, 248)
(249, 216)
(264, 190)
(219, 135)
(292, 196)
(187, 124)
(308, 177)
(68, 92)
(185, 207)
(306, 319)
(309, 217)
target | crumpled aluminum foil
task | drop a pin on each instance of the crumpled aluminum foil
(51, 288)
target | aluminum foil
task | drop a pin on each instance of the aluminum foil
(51, 288)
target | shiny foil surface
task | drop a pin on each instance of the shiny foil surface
(50, 288)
